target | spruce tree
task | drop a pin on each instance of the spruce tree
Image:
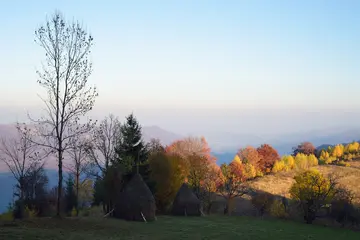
(126, 151)
(131, 151)
(70, 195)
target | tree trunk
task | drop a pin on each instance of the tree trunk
(228, 208)
(77, 193)
(58, 207)
(104, 207)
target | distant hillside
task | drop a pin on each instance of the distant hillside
(9, 131)
(224, 157)
(165, 137)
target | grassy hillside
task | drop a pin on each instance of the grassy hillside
(214, 227)
(280, 183)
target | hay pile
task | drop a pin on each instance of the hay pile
(136, 202)
(186, 203)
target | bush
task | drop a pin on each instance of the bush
(19, 209)
(7, 216)
(342, 209)
(259, 173)
(277, 209)
(85, 213)
(343, 164)
(73, 212)
(30, 213)
(262, 202)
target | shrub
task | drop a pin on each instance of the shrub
(19, 209)
(262, 202)
(73, 212)
(30, 213)
(85, 213)
(342, 209)
(277, 209)
(343, 163)
(7, 216)
(259, 173)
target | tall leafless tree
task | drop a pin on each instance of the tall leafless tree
(21, 156)
(79, 163)
(101, 149)
(64, 76)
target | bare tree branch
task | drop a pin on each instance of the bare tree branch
(21, 155)
(101, 150)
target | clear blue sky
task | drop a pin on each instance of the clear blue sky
(196, 54)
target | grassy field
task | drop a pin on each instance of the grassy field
(212, 227)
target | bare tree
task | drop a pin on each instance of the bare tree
(21, 156)
(64, 76)
(79, 163)
(101, 149)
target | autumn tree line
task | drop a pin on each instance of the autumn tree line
(95, 160)
(101, 163)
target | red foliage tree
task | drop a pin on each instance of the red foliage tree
(190, 146)
(232, 183)
(306, 148)
(249, 155)
(268, 157)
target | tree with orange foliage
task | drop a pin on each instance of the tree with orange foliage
(250, 155)
(209, 186)
(231, 183)
(268, 157)
(199, 164)
(189, 146)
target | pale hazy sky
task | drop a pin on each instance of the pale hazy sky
(165, 60)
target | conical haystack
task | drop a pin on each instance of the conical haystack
(186, 203)
(136, 202)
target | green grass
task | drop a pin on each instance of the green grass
(213, 227)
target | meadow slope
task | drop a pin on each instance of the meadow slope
(280, 183)
(212, 227)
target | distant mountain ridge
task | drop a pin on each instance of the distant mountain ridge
(224, 143)
(9, 131)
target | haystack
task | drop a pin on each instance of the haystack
(186, 203)
(136, 202)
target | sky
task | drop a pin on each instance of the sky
(259, 67)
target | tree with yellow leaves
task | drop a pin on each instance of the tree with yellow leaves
(313, 190)
(237, 159)
(289, 161)
(338, 151)
(352, 147)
